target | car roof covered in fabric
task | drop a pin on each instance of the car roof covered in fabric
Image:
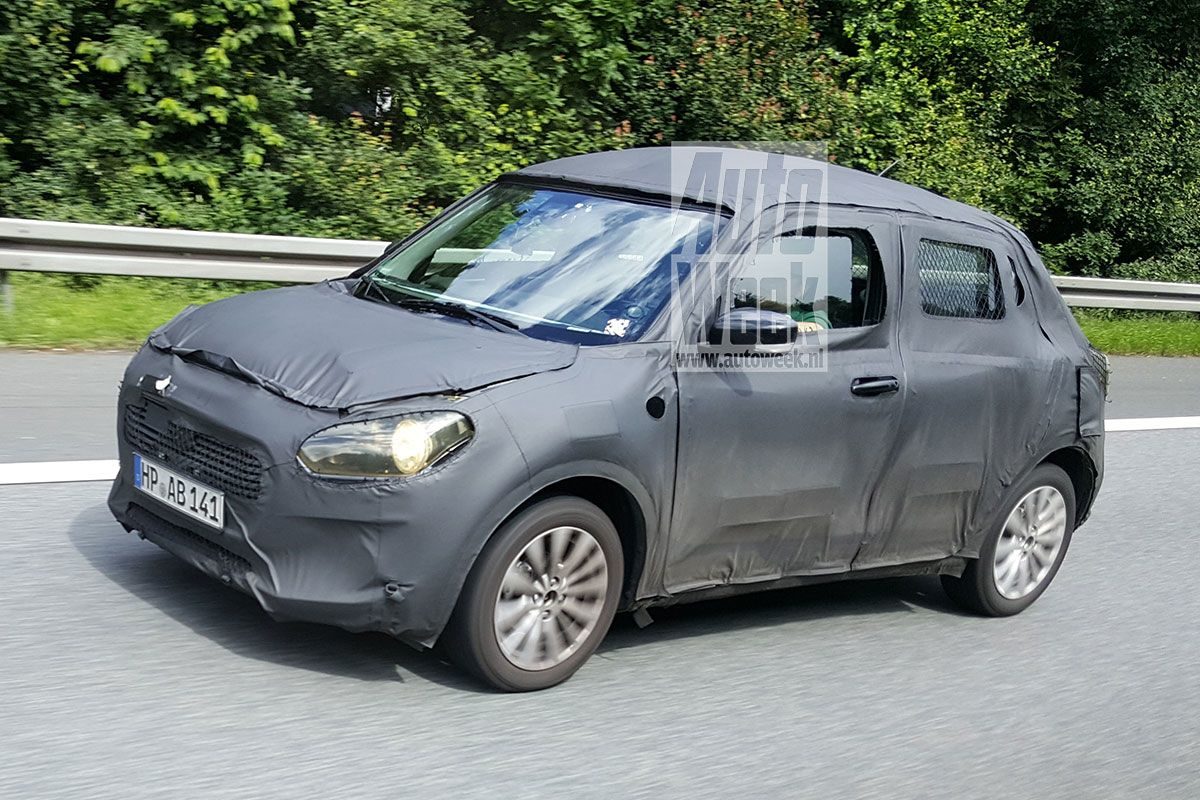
(655, 171)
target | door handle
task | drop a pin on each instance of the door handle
(869, 387)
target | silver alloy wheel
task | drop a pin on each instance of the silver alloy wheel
(1030, 542)
(551, 598)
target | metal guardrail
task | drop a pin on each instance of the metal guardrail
(1138, 295)
(36, 246)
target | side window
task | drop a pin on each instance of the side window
(829, 280)
(959, 280)
(1017, 280)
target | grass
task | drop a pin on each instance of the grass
(1142, 332)
(88, 312)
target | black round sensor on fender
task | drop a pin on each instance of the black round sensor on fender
(656, 407)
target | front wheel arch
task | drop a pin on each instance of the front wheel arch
(619, 504)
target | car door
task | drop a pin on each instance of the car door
(776, 466)
(969, 339)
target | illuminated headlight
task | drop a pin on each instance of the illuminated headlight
(386, 448)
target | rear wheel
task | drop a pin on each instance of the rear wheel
(540, 597)
(1020, 558)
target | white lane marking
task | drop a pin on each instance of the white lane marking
(106, 470)
(57, 472)
(1151, 424)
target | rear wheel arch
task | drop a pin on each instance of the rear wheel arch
(1023, 551)
(1083, 473)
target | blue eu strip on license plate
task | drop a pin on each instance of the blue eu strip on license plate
(185, 495)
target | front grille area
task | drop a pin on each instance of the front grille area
(230, 566)
(207, 459)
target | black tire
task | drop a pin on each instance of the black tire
(976, 590)
(470, 638)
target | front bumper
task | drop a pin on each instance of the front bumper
(376, 555)
(298, 567)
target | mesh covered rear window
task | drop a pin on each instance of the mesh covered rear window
(959, 280)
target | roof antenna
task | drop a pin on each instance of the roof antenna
(888, 168)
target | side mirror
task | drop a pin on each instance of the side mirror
(752, 326)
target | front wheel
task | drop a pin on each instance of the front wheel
(1020, 558)
(540, 597)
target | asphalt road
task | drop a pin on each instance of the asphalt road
(125, 674)
(59, 405)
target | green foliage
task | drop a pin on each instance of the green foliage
(730, 70)
(1128, 138)
(583, 47)
(158, 111)
(1088, 253)
(1181, 266)
(356, 118)
(1078, 119)
(931, 87)
(416, 75)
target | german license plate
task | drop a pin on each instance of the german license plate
(182, 494)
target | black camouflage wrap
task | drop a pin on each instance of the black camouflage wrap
(736, 481)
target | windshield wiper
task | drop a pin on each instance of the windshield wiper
(369, 286)
(493, 321)
(389, 294)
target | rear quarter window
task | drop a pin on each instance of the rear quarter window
(959, 281)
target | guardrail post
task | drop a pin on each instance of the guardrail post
(6, 301)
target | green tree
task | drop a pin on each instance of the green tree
(935, 89)
(421, 78)
(177, 113)
(729, 70)
(1129, 145)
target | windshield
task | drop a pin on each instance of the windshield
(558, 265)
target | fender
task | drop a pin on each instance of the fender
(1082, 505)
(519, 495)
